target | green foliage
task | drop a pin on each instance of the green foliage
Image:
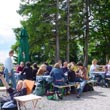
(39, 21)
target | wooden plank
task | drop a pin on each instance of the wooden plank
(66, 85)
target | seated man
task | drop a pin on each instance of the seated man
(19, 91)
(81, 76)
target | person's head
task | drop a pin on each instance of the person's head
(65, 64)
(60, 62)
(42, 69)
(80, 65)
(28, 64)
(22, 64)
(35, 65)
(70, 66)
(94, 61)
(19, 85)
(57, 65)
(11, 52)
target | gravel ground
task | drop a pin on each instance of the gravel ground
(99, 99)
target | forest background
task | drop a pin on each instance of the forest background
(70, 30)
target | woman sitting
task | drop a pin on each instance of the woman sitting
(57, 75)
(20, 90)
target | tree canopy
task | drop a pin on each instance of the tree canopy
(69, 30)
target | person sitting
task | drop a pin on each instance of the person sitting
(48, 68)
(71, 75)
(42, 69)
(107, 73)
(65, 68)
(27, 72)
(34, 71)
(19, 70)
(57, 75)
(20, 67)
(58, 78)
(81, 77)
(94, 67)
(20, 90)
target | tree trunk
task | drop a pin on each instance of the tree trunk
(86, 33)
(57, 33)
(68, 31)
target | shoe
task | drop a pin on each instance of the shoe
(106, 85)
(78, 96)
(60, 96)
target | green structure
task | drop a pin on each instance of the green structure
(23, 52)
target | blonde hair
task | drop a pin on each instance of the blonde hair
(94, 60)
(70, 66)
(42, 69)
(56, 65)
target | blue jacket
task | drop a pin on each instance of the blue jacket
(58, 76)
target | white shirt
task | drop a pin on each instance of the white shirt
(8, 64)
(93, 68)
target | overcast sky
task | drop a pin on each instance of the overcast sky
(8, 19)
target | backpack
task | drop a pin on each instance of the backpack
(9, 105)
(39, 89)
(88, 87)
(54, 96)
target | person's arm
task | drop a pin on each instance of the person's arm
(4, 81)
(84, 73)
(24, 70)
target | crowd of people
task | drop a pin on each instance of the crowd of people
(61, 73)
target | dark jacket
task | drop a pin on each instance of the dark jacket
(71, 76)
(28, 73)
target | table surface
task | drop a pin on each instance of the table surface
(2, 88)
(26, 98)
(101, 72)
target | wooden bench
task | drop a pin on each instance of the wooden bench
(66, 85)
(62, 87)
(3, 90)
(75, 84)
(22, 100)
(107, 79)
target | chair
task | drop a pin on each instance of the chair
(29, 85)
(22, 100)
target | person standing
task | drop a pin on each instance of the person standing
(19, 70)
(8, 69)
